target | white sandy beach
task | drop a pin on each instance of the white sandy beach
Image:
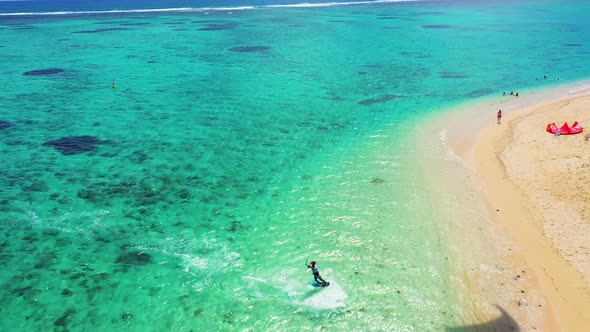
(538, 184)
(525, 261)
(536, 189)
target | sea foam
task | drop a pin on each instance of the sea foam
(330, 297)
(128, 11)
(331, 4)
(198, 9)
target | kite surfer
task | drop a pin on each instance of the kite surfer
(316, 273)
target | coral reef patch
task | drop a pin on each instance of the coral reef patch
(74, 144)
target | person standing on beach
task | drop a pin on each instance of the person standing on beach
(499, 117)
(316, 273)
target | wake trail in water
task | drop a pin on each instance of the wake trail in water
(330, 297)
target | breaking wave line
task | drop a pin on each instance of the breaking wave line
(199, 9)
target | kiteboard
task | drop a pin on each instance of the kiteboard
(316, 284)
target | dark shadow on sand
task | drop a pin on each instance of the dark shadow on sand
(504, 323)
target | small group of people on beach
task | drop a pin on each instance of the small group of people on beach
(512, 93)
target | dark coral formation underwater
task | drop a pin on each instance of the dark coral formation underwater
(100, 30)
(436, 26)
(249, 48)
(74, 144)
(41, 72)
(4, 124)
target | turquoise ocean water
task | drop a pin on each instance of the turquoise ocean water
(237, 144)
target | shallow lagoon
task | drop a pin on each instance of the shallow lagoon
(214, 174)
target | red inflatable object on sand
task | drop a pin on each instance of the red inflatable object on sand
(565, 129)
